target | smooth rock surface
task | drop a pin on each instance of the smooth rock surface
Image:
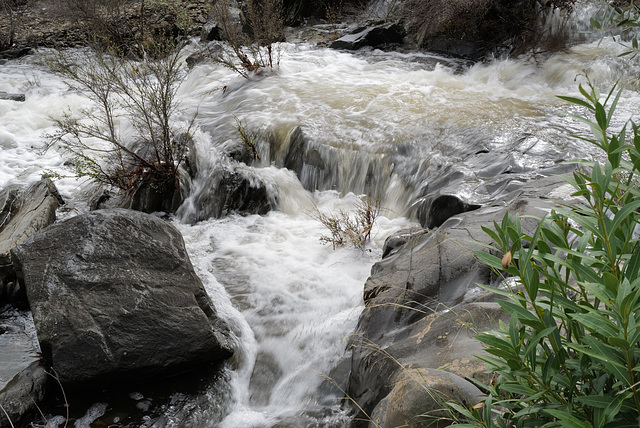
(418, 399)
(22, 213)
(23, 380)
(115, 299)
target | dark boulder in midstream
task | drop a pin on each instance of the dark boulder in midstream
(12, 97)
(116, 300)
(373, 34)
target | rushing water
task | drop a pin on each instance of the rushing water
(388, 124)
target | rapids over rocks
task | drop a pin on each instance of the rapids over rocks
(400, 127)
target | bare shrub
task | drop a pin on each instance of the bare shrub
(127, 25)
(350, 228)
(249, 139)
(141, 94)
(13, 11)
(251, 34)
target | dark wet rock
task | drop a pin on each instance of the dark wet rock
(12, 97)
(15, 53)
(398, 239)
(229, 192)
(418, 399)
(115, 300)
(23, 381)
(437, 210)
(378, 34)
(238, 194)
(211, 31)
(195, 59)
(290, 154)
(145, 199)
(22, 213)
(476, 29)
(332, 388)
(421, 295)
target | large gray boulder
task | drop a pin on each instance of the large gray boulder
(22, 213)
(423, 306)
(115, 299)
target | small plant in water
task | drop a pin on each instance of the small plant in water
(350, 228)
(570, 354)
(249, 139)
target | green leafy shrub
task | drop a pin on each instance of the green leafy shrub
(570, 355)
(621, 20)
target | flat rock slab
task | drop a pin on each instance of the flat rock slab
(23, 379)
(115, 299)
(23, 211)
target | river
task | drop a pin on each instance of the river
(385, 123)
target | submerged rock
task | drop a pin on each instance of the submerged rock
(115, 300)
(228, 192)
(12, 97)
(22, 213)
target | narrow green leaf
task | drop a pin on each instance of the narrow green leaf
(515, 309)
(619, 343)
(596, 323)
(598, 401)
(516, 388)
(622, 215)
(489, 259)
(567, 419)
(534, 342)
(632, 267)
(601, 117)
(577, 101)
(492, 234)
